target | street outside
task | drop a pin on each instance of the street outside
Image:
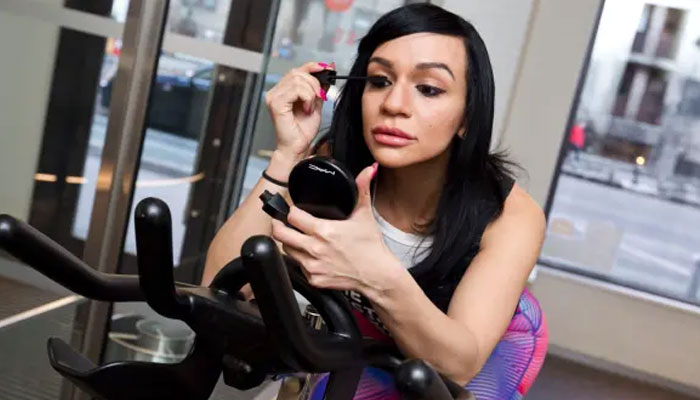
(629, 236)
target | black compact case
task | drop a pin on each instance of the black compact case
(323, 187)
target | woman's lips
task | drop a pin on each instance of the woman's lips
(392, 137)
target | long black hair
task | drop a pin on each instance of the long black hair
(472, 195)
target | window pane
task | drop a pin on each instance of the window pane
(627, 203)
(669, 35)
(201, 19)
(642, 30)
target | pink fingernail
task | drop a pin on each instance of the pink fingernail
(324, 65)
(376, 168)
(323, 95)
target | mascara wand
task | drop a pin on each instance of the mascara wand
(329, 76)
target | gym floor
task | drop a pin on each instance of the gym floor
(563, 379)
(18, 297)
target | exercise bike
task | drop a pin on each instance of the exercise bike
(247, 343)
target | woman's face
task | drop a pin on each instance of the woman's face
(415, 116)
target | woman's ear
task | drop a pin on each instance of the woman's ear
(462, 131)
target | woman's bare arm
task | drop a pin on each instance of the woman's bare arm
(248, 220)
(294, 104)
(459, 343)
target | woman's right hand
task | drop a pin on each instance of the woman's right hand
(295, 104)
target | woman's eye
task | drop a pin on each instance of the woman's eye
(379, 81)
(429, 91)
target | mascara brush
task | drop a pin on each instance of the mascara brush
(328, 77)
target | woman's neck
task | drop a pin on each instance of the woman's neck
(407, 197)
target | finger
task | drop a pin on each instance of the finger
(296, 253)
(312, 67)
(315, 86)
(289, 237)
(301, 257)
(315, 66)
(307, 94)
(320, 91)
(292, 93)
(364, 184)
(304, 221)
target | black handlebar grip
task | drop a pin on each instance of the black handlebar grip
(154, 252)
(57, 263)
(272, 286)
(418, 381)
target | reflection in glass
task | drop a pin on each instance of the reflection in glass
(627, 204)
(200, 19)
(178, 106)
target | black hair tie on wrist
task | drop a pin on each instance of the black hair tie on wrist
(273, 180)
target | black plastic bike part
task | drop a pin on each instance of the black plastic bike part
(329, 77)
(193, 378)
(55, 262)
(297, 343)
(244, 342)
(232, 277)
(241, 375)
(338, 351)
(416, 380)
(323, 187)
(155, 258)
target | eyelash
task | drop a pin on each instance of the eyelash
(429, 91)
(425, 90)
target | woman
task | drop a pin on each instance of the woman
(436, 255)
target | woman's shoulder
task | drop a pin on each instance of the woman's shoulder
(520, 204)
(521, 215)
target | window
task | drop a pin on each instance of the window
(668, 39)
(658, 31)
(624, 91)
(641, 94)
(652, 102)
(643, 29)
(626, 205)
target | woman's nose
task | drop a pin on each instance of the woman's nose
(397, 101)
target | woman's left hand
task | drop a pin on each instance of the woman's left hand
(343, 255)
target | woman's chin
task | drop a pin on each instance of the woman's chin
(394, 158)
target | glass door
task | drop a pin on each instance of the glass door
(53, 57)
(84, 135)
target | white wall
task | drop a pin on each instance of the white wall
(25, 79)
(503, 26)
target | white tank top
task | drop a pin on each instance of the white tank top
(409, 248)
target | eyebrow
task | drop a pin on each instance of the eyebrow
(425, 65)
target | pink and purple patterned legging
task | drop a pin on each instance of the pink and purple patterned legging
(507, 375)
